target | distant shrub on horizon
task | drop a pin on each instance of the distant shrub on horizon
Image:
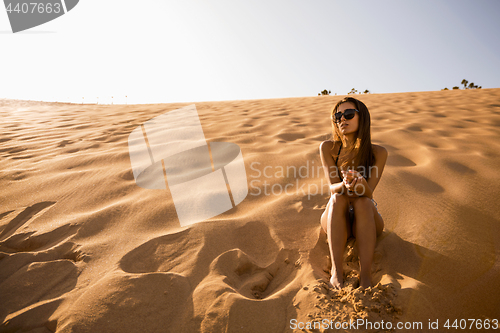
(465, 82)
(353, 91)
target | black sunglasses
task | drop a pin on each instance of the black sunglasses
(348, 114)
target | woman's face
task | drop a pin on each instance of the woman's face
(351, 125)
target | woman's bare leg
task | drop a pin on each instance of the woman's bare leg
(335, 225)
(365, 229)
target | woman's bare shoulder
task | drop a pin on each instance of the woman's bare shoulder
(379, 150)
(328, 143)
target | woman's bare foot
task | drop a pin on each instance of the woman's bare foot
(365, 281)
(336, 281)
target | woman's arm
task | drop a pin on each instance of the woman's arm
(355, 180)
(331, 171)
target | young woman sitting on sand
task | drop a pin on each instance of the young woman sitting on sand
(351, 211)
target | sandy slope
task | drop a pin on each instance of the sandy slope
(84, 249)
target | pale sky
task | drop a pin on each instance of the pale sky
(162, 51)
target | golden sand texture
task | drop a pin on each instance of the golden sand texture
(84, 249)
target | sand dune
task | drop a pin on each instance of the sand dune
(84, 249)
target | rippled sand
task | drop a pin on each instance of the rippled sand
(84, 249)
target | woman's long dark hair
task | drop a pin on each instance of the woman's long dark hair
(364, 157)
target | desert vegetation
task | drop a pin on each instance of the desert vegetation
(466, 85)
(353, 91)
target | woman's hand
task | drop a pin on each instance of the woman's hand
(352, 180)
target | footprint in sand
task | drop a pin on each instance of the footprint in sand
(245, 293)
(234, 267)
(18, 249)
(251, 280)
(37, 269)
(23, 217)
